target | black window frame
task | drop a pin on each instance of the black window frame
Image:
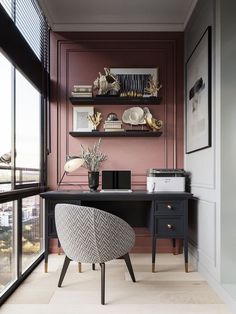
(16, 49)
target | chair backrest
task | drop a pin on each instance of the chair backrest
(90, 235)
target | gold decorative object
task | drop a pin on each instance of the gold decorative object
(132, 93)
(153, 87)
(95, 119)
(106, 84)
(154, 124)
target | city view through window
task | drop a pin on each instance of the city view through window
(31, 237)
(24, 170)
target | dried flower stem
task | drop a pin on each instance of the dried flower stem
(93, 157)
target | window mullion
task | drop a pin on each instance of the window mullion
(19, 238)
(13, 129)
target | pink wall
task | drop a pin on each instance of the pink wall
(76, 58)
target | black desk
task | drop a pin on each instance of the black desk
(164, 213)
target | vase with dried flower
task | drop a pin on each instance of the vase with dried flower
(93, 158)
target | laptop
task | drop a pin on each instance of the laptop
(116, 181)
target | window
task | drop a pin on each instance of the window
(5, 124)
(7, 245)
(23, 107)
(32, 230)
(22, 168)
(28, 103)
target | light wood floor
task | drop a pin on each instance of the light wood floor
(170, 290)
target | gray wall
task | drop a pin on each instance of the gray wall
(228, 141)
(213, 232)
(204, 229)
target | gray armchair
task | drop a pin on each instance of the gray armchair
(90, 235)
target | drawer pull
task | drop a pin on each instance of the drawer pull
(169, 226)
(169, 207)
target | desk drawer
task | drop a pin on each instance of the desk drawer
(169, 226)
(169, 207)
(53, 203)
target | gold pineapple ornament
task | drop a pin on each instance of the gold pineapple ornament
(95, 119)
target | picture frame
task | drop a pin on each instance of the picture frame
(138, 76)
(198, 95)
(81, 122)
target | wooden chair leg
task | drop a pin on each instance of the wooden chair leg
(102, 283)
(58, 247)
(64, 269)
(129, 266)
(93, 266)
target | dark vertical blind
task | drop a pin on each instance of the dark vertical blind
(25, 39)
(31, 23)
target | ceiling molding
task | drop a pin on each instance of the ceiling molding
(115, 27)
(164, 25)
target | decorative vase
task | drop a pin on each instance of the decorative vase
(93, 180)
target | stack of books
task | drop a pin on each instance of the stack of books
(82, 91)
(113, 126)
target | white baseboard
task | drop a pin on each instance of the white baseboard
(216, 285)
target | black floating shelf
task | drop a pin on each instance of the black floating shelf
(111, 100)
(116, 134)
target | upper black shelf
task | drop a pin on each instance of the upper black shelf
(111, 100)
(116, 134)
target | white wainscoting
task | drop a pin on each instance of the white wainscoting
(202, 167)
(203, 246)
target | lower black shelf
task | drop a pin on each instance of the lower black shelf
(116, 134)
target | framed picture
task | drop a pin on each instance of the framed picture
(198, 95)
(135, 79)
(81, 122)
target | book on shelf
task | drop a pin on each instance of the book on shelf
(113, 122)
(114, 130)
(83, 88)
(80, 94)
(112, 126)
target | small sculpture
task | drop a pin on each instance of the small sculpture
(152, 123)
(95, 119)
(106, 84)
(112, 117)
(153, 87)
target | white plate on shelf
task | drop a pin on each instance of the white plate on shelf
(134, 116)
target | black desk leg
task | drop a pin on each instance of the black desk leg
(174, 246)
(46, 254)
(186, 253)
(153, 253)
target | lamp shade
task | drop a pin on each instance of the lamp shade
(73, 163)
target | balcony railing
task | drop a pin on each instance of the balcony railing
(23, 176)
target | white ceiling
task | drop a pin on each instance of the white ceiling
(117, 15)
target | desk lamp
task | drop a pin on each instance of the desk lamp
(72, 164)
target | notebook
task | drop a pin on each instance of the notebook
(116, 181)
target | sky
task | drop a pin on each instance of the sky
(27, 117)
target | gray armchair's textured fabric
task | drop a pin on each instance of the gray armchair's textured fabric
(90, 235)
